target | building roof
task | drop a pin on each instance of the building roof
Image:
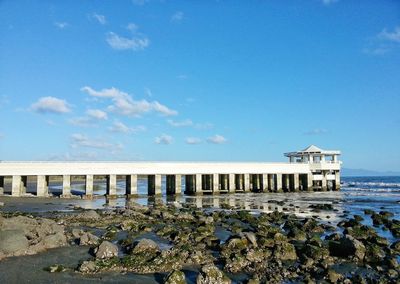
(312, 149)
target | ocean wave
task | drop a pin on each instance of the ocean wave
(372, 185)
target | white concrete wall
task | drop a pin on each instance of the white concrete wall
(146, 168)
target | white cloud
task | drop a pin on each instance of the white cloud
(328, 2)
(317, 131)
(97, 114)
(81, 140)
(182, 123)
(61, 25)
(135, 43)
(82, 121)
(193, 140)
(120, 127)
(390, 36)
(124, 104)
(100, 18)
(163, 139)
(177, 16)
(216, 139)
(132, 27)
(50, 105)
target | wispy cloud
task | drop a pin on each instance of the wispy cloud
(124, 104)
(329, 2)
(50, 105)
(177, 16)
(183, 123)
(120, 127)
(193, 140)
(204, 126)
(99, 18)
(123, 43)
(81, 140)
(136, 41)
(316, 131)
(217, 139)
(82, 121)
(97, 114)
(92, 118)
(383, 42)
(393, 36)
(163, 139)
(61, 25)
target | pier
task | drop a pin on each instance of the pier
(311, 169)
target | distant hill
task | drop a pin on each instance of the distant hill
(362, 172)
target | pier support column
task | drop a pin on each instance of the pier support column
(178, 184)
(278, 183)
(154, 184)
(246, 182)
(189, 184)
(271, 183)
(296, 182)
(337, 181)
(89, 186)
(264, 183)
(18, 185)
(111, 186)
(199, 184)
(131, 185)
(1, 185)
(66, 187)
(286, 179)
(232, 184)
(215, 183)
(310, 183)
(324, 183)
(42, 186)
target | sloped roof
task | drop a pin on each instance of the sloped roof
(313, 149)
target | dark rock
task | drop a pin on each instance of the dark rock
(347, 246)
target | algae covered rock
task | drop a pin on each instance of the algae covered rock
(145, 246)
(347, 246)
(175, 277)
(210, 274)
(285, 251)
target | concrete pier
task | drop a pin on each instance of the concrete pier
(308, 169)
(111, 185)
(66, 186)
(131, 185)
(89, 186)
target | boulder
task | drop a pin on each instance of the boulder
(89, 215)
(12, 241)
(212, 274)
(87, 267)
(347, 246)
(145, 246)
(88, 239)
(251, 237)
(106, 250)
(175, 277)
(285, 251)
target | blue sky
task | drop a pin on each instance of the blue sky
(200, 80)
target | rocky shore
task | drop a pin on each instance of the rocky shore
(222, 246)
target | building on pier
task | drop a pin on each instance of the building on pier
(307, 170)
